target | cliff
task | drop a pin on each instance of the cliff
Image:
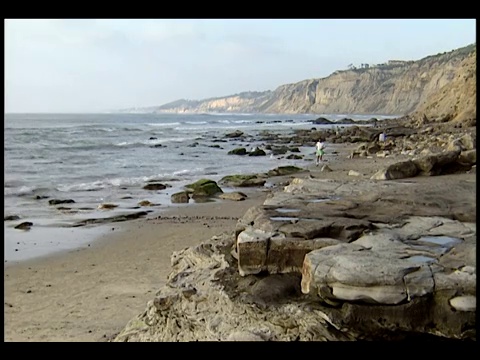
(456, 100)
(436, 85)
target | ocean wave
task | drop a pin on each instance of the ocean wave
(244, 121)
(137, 143)
(197, 122)
(100, 184)
(24, 190)
(98, 146)
(154, 141)
(164, 124)
(192, 172)
(109, 145)
(228, 114)
(128, 181)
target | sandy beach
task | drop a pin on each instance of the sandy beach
(89, 294)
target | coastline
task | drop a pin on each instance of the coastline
(90, 293)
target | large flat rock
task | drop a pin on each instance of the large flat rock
(326, 260)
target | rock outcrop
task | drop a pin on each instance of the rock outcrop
(328, 260)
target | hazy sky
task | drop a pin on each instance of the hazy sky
(90, 65)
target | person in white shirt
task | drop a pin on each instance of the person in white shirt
(320, 151)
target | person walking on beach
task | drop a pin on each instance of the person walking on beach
(320, 151)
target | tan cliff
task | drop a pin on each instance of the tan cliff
(437, 84)
(456, 100)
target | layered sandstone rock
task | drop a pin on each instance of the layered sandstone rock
(328, 260)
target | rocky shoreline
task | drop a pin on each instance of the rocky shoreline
(344, 254)
(325, 253)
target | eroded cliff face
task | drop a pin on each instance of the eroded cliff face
(246, 102)
(456, 100)
(436, 84)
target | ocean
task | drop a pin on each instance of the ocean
(108, 158)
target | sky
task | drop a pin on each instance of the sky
(97, 65)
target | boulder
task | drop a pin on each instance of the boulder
(468, 157)
(235, 134)
(11, 217)
(234, 196)
(155, 186)
(203, 188)
(24, 225)
(257, 152)
(433, 164)
(242, 180)
(400, 170)
(181, 197)
(106, 206)
(284, 170)
(57, 201)
(238, 151)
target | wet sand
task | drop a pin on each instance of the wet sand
(90, 293)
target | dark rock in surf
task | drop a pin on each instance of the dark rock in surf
(284, 170)
(243, 180)
(238, 151)
(117, 218)
(24, 226)
(295, 157)
(279, 150)
(57, 201)
(155, 186)
(234, 196)
(11, 217)
(181, 197)
(234, 134)
(257, 152)
(322, 121)
(203, 188)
